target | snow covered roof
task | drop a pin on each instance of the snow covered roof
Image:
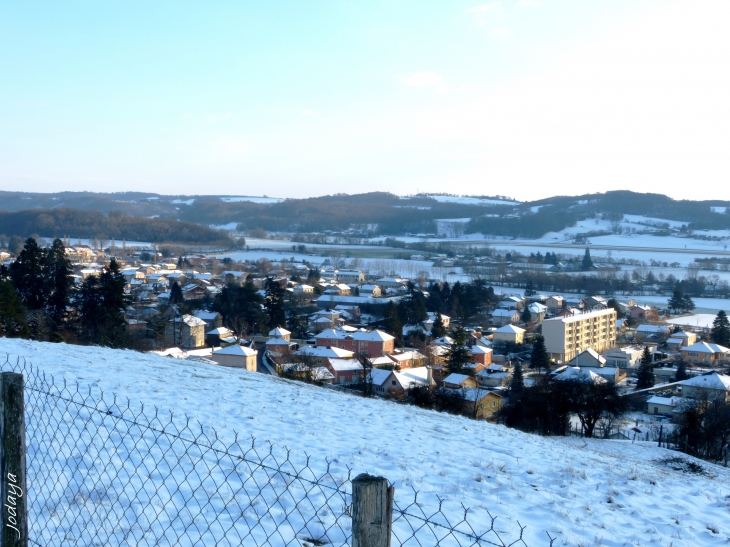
(279, 332)
(325, 352)
(412, 377)
(591, 352)
(277, 342)
(706, 347)
(670, 401)
(510, 329)
(241, 351)
(480, 350)
(372, 336)
(220, 331)
(709, 381)
(503, 313)
(576, 374)
(379, 376)
(189, 320)
(456, 378)
(206, 315)
(380, 361)
(444, 341)
(652, 328)
(344, 365)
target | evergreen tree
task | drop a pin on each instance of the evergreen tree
(539, 359)
(297, 325)
(458, 355)
(100, 304)
(526, 316)
(274, 303)
(676, 302)
(240, 306)
(587, 263)
(176, 295)
(60, 282)
(721, 329)
(12, 313)
(530, 288)
(438, 330)
(645, 375)
(517, 383)
(29, 273)
(681, 372)
(391, 322)
(687, 303)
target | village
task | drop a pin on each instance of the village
(337, 334)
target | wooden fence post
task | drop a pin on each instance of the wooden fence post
(372, 511)
(12, 462)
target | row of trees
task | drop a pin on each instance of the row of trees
(245, 310)
(39, 299)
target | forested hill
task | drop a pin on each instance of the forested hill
(93, 224)
(374, 213)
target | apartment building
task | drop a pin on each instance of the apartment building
(566, 337)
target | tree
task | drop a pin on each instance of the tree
(721, 329)
(60, 283)
(240, 306)
(525, 316)
(12, 312)
(391, 322)
(645, 374)
(100, 304)
(539, 359)
(458, 354)
(297, 325)
(613, 303)
(687, 303)
(676, 302)
(437, 329)
(592, 401)
(15, 245)
(176, 295)
(587, 263)
(517, 383)
(29, 273)
(274, 302)
(530, 288)
(681, 372)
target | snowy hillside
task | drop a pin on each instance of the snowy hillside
(585, 492)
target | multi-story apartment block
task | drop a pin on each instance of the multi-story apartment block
(566, 337)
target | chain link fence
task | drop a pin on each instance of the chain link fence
(102, 471)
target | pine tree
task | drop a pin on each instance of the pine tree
(391, 322)
(438, 330)
(526, 316)
(458, 354)
(274, 303)
(530, 288)
(29, 273)
(539, 359)
(240, 306)
(12, 313)
(100, 304)
(176, 295)
(721, 329)
(687, 303)
(645, 375)
(676, 302)
(587, 263)
(681, 372)
(517, 383)
(60, 282)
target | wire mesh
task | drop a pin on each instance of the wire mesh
(104, 472)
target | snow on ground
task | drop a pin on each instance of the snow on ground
(230, 226)
(701, 320)
(183, 201)
(721, 210)
(252, 199)
(465, 200)
(585, 492)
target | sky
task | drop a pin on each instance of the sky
(521, 98)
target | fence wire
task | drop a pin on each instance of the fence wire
(104, 472)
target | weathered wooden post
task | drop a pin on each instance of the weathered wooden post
(372, 511)
(12, 462)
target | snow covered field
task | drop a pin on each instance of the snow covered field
(585, 492)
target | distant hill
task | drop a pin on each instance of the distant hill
(381, 213)
(76, 223)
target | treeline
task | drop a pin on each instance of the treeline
(77, 223)
(40, 300)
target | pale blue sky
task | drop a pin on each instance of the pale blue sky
(524, 98)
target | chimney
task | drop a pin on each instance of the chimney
(429, 376)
